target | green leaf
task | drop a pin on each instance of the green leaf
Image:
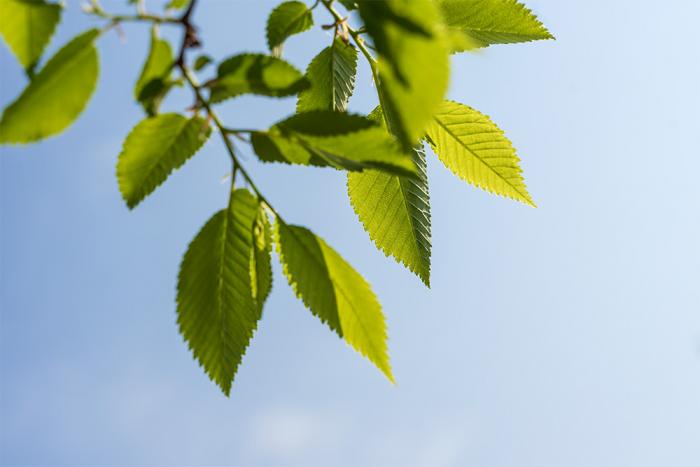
(56, 95)
(154, 148)
(477, 151)
(201, 62)
(261, 269)
(493, 21)
(27, 27)
(256, 74)
(285, 20)
(177, 4)
(336, 139)
(349, 4)
(153, 83)
(334, 292)
(395, 212)
(216, 310)
(332, 77)
(413, 62)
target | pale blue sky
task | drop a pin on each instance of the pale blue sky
(566, 336)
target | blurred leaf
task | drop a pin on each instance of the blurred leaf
(27, 27)
(413, 62)
(256, 74)
(177, 4)
(154, 81)
(336, 139)
(216, 310)
(332, 77)
(285, 20)
(493, 21)
(154, 148)
(334, 292)
(56, 95)
(201, 62)
(477, 151)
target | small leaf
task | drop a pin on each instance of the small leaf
(349, 4)
(256, 74)
(336, 139)
(27, 27)
(332, 77)
(477, 151)
(334, 292)
(56, 95)
(153, 83)
(493, 21)
(216, 311)
(413, 62)
(285, 20)
(154, 148)
(201, 62)
(177, 4)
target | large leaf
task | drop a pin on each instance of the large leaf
(477, 151)
(334, 292)
(395, 212)
(27, 27)
(216, 310)
(329, 138)
(256, 74)
(154, 148)
(285, 20)
(413, 62)
(153, 82)
(493, 21)
(56, 95)
(332, 77)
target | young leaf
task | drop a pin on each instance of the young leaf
(256, 74)
(177, 4)
(201, 62)
(27, 27)
(56, 95)
(332, 77)
(336, 139)
(477, 151)
(154, 148)
(395, 212)
(334, 292)
(216, 310)
(493, 21)
(153, 83)
(285, 20)
(413, 62)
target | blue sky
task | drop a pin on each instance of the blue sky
(567, 335)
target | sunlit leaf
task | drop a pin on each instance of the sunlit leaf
(153, 83)
(285, 20)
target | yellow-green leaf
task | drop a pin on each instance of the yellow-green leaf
(287, 19)
(477, 151)
(334, 292)
(154, 148)
(153, 83)
(56, 95)
(216, 310)
(27, 27)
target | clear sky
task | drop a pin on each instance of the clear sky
(562, 336)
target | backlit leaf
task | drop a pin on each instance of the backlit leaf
(154, 148)
(27, 27)
(153, 83)
(285, 20)
(334, 292)
(256, 74)
(56, 95)
(332, 77)
(477, 151)
(216, 310)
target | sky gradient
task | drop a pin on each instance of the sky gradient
(567, 335)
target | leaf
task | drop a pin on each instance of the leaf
(287, 19)
(336, 139)
(493, 21)
(332, 77)
(201, 62)
(349, 4)
(153, 84)
(216, 311)
(27, 27)
(334, 292)
(477, 151)
(256, 74)
(177, 4)
(261, 269)
(56, 95)
(395, 212)
(154, 148)
(413, 62)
